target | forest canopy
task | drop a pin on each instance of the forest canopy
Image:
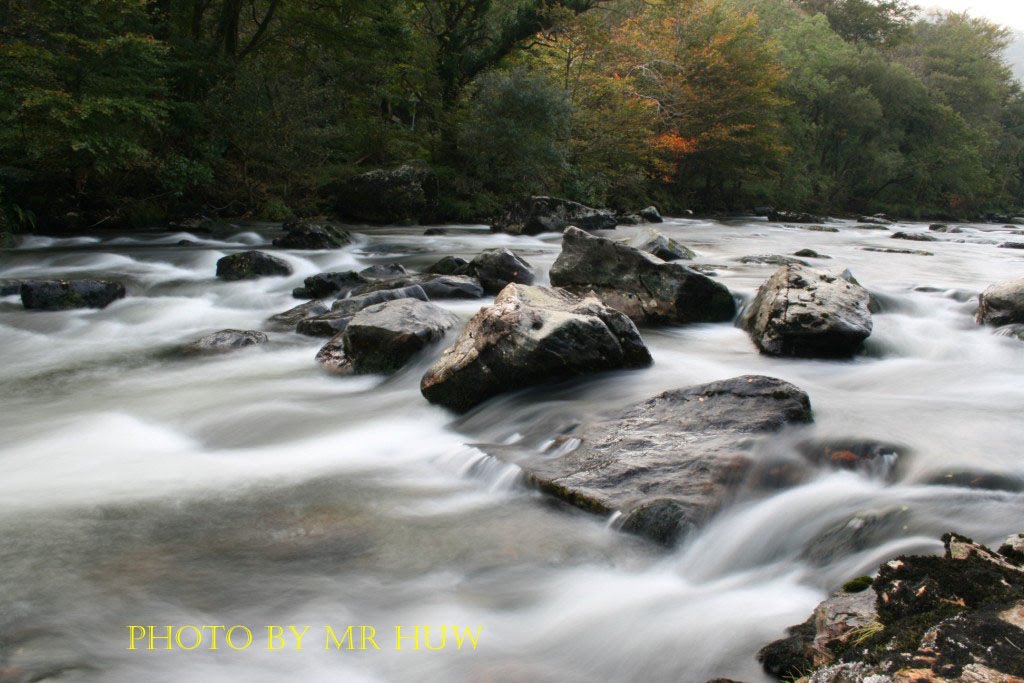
(132, 112)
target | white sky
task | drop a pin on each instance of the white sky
(1008, 12)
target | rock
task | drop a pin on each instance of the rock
(293, 316)
(548, 214)
(984, 481)
(942, 227)
(772, 260)
(312, 236)
(886, 250)
(330, 324)
(10, 287)
(382, 338)
(249, 265)
(809, 313)
(62, 295)
(651, 215)
(1015, 331)
(450, 265)
(914, 237)
(872, 458)
(1012, 245)
(665, 248)
(1002, 304)
(668, 463)
(793, 217)
(810, 253)
(496, 268)
(819, 228)
(434, 232)
(384, 271)
(630, 219)
(860, 532)
(323, 285)
(874, 220)
(531, 335)
(640, 285)
(406, 193)
(224, 341)
(435, 286)
(936, 619)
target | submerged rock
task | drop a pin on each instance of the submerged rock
(382, 338)
(887, 250)
(668, 463)
(665, 248)
(772, 260)
(1015, 331)
(1002, 304)
(1012, 245)
(62, 295)
(531, 335)
(874, 220)
(914, 237)
(640, 285)
(810, 313)
(250, 265)
(312, 236)
(293, 316)
(549, 214)
(323, 285)
(226, 340)
(810, 253)
(793, 217)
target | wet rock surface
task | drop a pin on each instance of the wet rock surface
(644, 287)
(250, 265)
(342, 310)
(312, 236)
(1002, 304)
(535, 215)
(531, 335)
(793, 217)
(665, 248)
(62, 295)
(225, 341)
(809, 313)
(669, 463)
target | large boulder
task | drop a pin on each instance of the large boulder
(384, 337)
(793, 217)
(406, 193)
(640, 285)
(342, 310)
(62, 295)
(226, 340)
(293, 316)
(1002, 304)
(496, 268)
(531, 335)
(548, 214)
(250, 265)
(668, 463)
(651, 215)
(312, 236)
(811, 313)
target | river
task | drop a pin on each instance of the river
(140, 488)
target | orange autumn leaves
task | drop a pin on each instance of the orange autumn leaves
(711, 79)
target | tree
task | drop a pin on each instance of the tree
(874, 22)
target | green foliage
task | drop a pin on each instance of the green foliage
(858, 585)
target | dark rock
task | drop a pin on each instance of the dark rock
(793, 217)
(984, 481)
(496, 268)
(382, 338)
(10, 287)
(548, 214)
(941, 227)
(914, 237)
(668, 463)
(384, 271)
(1015, 331)
(531, 335)
(449, 265)
(1012, 245)
(772, 260)
(630, 219)
(435, 286)
(665, 248)
(862, 531)
(640, 285)
(810, 253)
(810, 313)
(874, 220)
(873, 458)
(323, 285)
(330, 324)
(406, 193)
(434, 232)
(293, 316)
(225, 340)
(651, 215)
(819, 228)
(312, 236)
(1002, 304)
(62, 295)
(886, 250)
(249, 265)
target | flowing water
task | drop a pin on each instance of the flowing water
(253, 489)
